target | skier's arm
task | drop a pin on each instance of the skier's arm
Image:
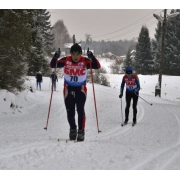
(122, 86)
(60, 63)
(94, 62)
(138, 84)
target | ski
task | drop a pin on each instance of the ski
(133, 124)
(67, 140)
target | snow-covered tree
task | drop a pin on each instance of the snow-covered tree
(15, 38)
(128, 59)
(143, 59)
(172, 53)
(61, 35)
(42, 41)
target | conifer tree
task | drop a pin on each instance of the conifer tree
(15, 37)
(143, 59)
(42, 41)
(128, 60)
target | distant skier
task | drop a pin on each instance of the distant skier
(39, 80)
(75, 91)
(132, 91)
(54, 79)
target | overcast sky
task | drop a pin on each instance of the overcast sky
(103, 20)
(106, 24)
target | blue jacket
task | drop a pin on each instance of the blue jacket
(132, 84)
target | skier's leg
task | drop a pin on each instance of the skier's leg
(80, 102)
(55, 86)
(135, 100)
(128, 103)
(69, 100)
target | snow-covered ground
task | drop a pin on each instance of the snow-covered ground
(153, 144)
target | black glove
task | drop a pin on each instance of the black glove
(121, 95)
(89, 54)
(57, 54)
(135, 91)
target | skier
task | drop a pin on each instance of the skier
(38, 80)
(75, 91)
(54, 78)
(132, 91)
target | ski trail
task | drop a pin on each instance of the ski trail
(163, 158)
(119, 130)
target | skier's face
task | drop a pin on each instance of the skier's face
(129, 75)
(76, 57)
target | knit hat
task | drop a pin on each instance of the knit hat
(76, 48)
(128, 70)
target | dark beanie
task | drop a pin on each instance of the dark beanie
(76, 48)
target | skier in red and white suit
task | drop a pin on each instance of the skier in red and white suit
(75, 91)
(132, 92)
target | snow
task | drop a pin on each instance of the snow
(153, 144)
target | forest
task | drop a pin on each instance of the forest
(28, 41)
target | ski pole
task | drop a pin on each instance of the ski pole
(121, 111)
(49, 109)
(94, 96)
(143, 99)
(51, 96)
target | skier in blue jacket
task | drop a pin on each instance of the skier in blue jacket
(132, 92)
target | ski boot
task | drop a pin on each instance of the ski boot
(125, 122)
(72, 134)
(80, 136)
(134, 122)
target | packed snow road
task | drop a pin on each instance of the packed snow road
(153, 143)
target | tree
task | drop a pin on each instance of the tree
(42, 41)
(143, 60)
(128, 59)
(171, 62)
(172, 51)
(61, 35)
(15, 37)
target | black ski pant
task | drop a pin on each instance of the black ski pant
(75, 98)
(130, 96)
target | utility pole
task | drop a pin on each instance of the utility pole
(74, 40)
(162, 50)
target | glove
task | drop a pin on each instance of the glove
(121, 95)
(57, 54)
(135, 91)
(89, 54)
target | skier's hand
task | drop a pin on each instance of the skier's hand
(121, 95)
(89, 54)
(135, 91)
(57, 54)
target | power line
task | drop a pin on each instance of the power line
(127, 32)
(138, 31)
(124, 27)
(136, 22)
